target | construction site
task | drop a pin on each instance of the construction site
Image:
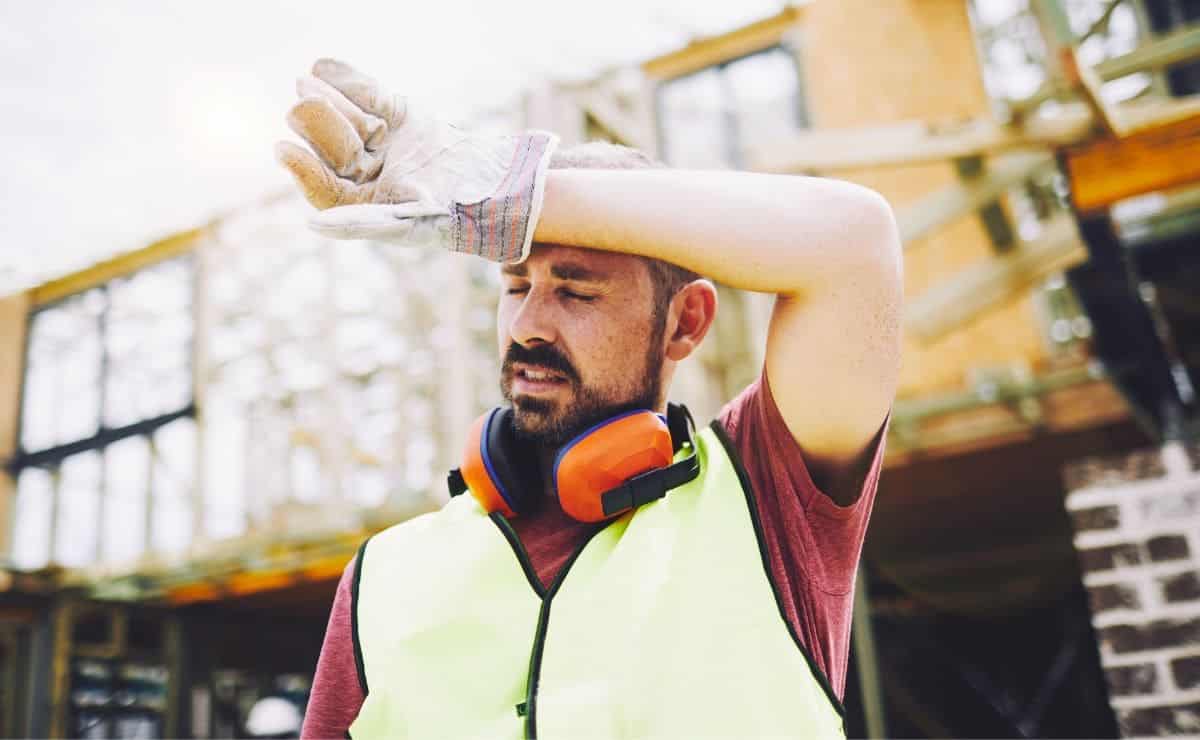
(197, 435)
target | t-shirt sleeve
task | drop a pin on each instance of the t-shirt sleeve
(812, 544)
(336, 695)
(825, 538)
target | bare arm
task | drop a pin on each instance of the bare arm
(828, 249)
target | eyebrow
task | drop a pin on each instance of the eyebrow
(560, 270)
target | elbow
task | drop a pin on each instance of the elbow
(879, 236)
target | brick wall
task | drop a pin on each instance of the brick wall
(1137, 533)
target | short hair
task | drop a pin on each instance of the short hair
(667, 278)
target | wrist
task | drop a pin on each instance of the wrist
(500, 227)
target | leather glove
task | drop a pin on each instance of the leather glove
(387, 172)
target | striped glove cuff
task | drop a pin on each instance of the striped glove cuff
(500, 227)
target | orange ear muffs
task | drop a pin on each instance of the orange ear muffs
(615, 466)
(607, 456)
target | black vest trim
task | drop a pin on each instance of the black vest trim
(518, 549)
(358, 653)
(731, 451)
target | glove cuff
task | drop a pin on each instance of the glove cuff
(500, 227)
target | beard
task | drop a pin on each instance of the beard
(551, 424)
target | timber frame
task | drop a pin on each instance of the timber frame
(938, 422)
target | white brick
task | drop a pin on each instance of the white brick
(1154, 700)
(1085, 498)
(1141, 616)
(1145, 572)
(1106, 537)
(1162, 655)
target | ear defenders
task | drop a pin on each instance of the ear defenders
(615, 466)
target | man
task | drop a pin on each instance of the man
(601, 253)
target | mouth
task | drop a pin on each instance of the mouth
(532, 379)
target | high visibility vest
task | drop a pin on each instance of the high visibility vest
(663, 624)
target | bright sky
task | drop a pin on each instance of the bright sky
(124, 121)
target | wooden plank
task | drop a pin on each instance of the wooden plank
(1074, 408)
(623, 127)
(978, 288)
(241, 584)
(123, 264)
(326, 568)
(1156, 158)
(958, 199)
(1084, 79)
(705, 52)
(1177, 47)
(1063, 64)
(194, 593)
(918, 142)
(14, 317)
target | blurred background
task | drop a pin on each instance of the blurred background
(204, 408)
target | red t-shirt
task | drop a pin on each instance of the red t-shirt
(813, 546)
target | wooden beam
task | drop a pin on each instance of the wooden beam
(241, 584)
(1177, 47)
(1007, 390)
(1156, 158)
(918, 142)
(123, 264)
(1084, 79)
(866, 657)
(1063, 64)
(705, 52)
(623, 127)
(975, 290)
(972, 425)
(14, 318)
(914, 142)
(194, 593)
(954, 201)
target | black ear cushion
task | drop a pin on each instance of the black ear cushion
(515, 466)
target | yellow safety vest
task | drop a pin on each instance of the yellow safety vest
(664, 624)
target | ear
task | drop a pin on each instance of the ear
(691, 314)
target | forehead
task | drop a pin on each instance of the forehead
(556, 260)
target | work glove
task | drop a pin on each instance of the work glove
(387, 172)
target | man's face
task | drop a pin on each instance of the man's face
(579, 339)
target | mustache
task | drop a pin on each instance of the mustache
(544, 355)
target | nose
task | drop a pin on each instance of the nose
(533, 322)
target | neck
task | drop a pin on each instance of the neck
(545, 461)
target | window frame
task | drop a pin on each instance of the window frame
(51, 458)
(731, 128)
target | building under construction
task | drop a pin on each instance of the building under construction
(197, 435)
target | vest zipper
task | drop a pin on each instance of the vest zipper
(539, 638)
